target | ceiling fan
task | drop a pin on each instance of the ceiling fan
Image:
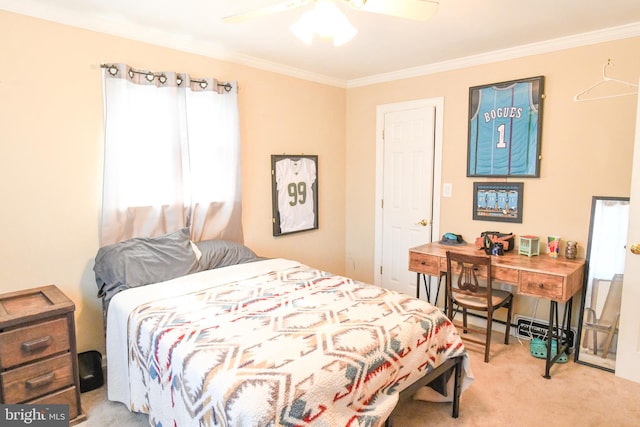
(420, 10)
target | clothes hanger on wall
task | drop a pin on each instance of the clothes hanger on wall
(629, 88)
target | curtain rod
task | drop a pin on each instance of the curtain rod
(113, 70)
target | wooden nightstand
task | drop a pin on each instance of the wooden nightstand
(38, 355)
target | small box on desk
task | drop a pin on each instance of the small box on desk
(529, 245)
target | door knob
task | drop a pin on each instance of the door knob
(635, 249)
(423, 222)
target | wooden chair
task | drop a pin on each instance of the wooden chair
(469, 287)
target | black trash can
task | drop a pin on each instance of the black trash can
(90, 368)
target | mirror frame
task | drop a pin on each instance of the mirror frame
(587, 285)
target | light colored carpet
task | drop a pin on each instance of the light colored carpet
(507, 391)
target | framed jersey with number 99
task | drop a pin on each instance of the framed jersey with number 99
(505, 123)
(294, 189)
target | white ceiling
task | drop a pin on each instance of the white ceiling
(462, 32)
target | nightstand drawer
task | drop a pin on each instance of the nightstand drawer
(541, 285)
(32, 342)
(67, 396)
(35, 379)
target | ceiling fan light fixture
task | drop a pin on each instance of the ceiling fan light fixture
(304, 28)
(342, 30)
(326, 20)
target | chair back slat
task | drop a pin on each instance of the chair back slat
(473, 273)
(467, 279)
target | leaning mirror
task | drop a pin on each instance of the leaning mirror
(602, 291)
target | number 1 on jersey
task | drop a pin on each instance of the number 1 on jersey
(501, 142)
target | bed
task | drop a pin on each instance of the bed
(239, 340)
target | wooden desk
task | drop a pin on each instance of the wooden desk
(554, 279)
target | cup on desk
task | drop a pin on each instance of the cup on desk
(553, 243)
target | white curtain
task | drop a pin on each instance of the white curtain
(171, 156)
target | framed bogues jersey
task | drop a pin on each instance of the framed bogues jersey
(505, 121)
(294, 193)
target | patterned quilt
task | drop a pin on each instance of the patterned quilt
(294, 347)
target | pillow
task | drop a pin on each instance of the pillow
(141, 261)
(218, 253)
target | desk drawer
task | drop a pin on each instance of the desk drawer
(32, 342)
(425, 264)
(36, 379)
(541, 285)
(505, 275)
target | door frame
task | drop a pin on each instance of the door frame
(381, 111)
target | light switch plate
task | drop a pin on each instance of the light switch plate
(447, 189)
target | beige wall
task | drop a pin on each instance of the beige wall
(51, 152)
(51, 155)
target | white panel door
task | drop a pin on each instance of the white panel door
(408, 157)
(628, 353)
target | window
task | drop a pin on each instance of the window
(172, 156)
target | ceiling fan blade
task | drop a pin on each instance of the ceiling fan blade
(420, 10)
(268, 10)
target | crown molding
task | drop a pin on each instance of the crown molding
(578, 40)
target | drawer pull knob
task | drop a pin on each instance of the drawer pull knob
(37, 344)
(423, 262)
(41, 381)
(541, 285)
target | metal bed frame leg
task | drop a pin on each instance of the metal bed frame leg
(457, 385)
(457, 388)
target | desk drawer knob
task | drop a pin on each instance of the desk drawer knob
(541, 285)
(37, 344)
(423, 262)
(41, 381)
